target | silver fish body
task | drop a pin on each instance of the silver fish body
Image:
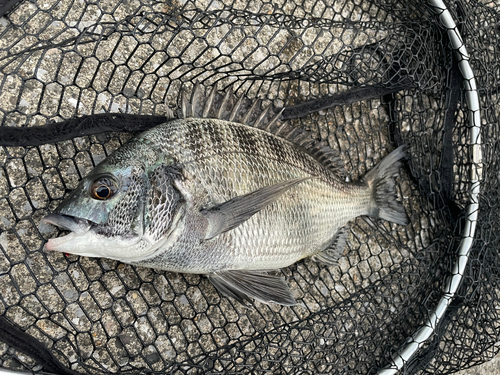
(221, 198)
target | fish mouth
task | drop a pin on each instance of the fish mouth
(75, 225)
(71, 223)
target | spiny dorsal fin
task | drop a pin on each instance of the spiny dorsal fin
(215, 104)
(209, 102)
(225, 102)
(225, 106)
(236, 109)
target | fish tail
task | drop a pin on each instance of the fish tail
(381, 180)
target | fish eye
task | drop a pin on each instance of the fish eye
(102, 189)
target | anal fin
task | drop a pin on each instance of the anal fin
(331, 255)
(243, 285)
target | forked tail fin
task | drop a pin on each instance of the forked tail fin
(381, 180)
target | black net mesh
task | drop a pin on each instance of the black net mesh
(62, 59)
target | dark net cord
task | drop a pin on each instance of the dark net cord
(6, 6)
(372, 74)
(85, 125)
(440, 195)
(26, 344)
(117, 122)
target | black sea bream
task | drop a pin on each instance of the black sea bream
(215, 196)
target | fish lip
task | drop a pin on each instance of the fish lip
(71, 223)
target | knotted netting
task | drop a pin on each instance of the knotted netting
(61, 60)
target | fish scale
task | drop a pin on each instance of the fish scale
(319, 210)
(222, 198)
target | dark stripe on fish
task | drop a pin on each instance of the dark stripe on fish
(247, 141)
(193, 136)
(277, 148)
(215, 135)
(235, 139)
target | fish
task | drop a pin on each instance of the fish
(225, 190)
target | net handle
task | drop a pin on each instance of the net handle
(417, 340)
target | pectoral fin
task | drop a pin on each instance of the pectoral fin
(242, 285)
(232, 213)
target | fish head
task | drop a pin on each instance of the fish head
(109, 213)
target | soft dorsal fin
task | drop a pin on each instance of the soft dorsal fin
(203, 103)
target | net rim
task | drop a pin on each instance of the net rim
(422, 334)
